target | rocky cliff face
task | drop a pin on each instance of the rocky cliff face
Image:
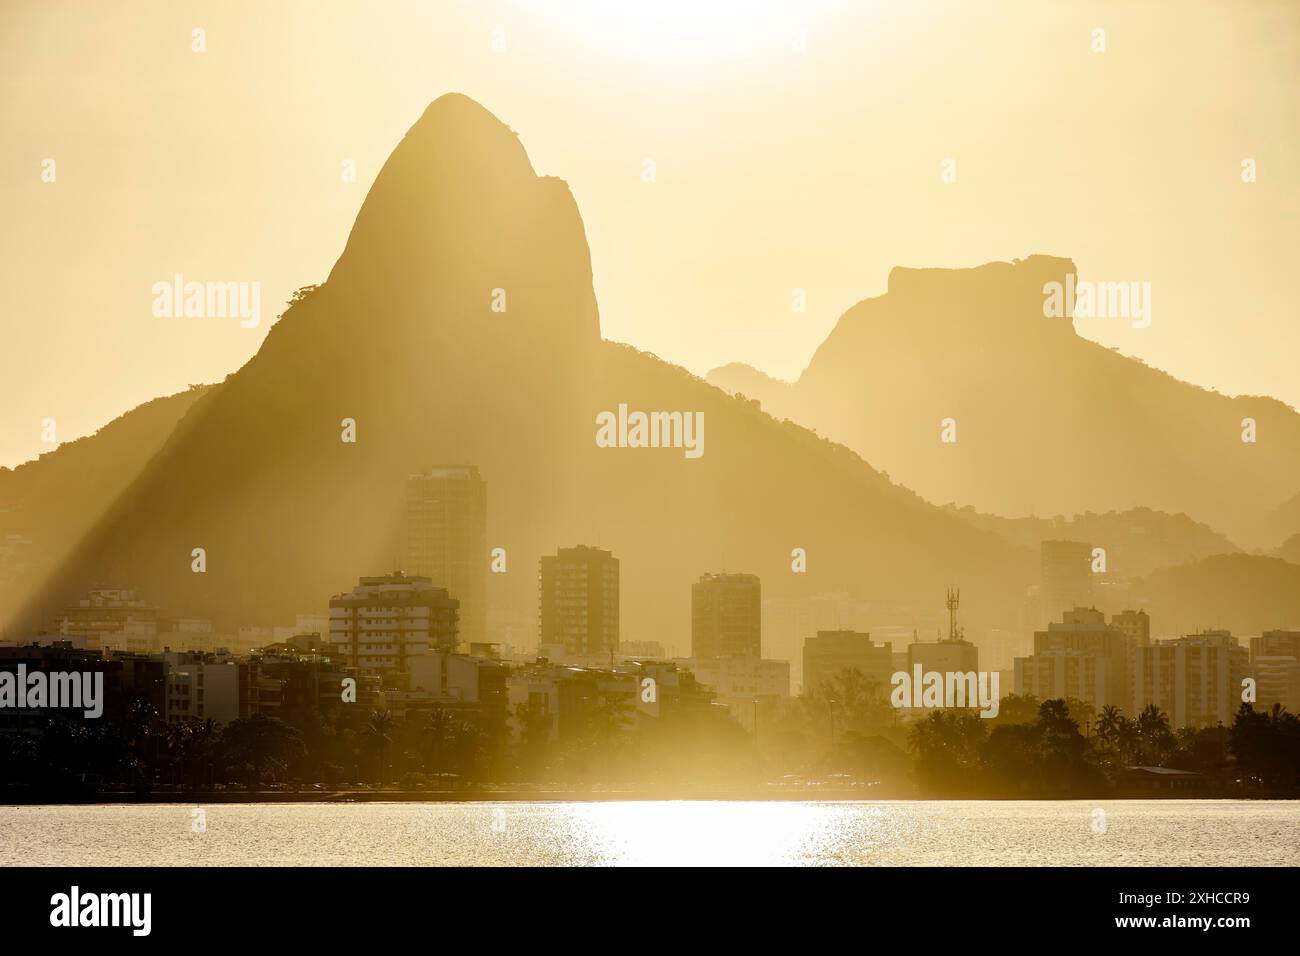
(1047, 422)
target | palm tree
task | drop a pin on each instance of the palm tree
(140, 735)
(611, 716)
(259, 742)
(203, 743)
(1126, 739)
(1108, 722)
(1153, 731)
(379, 735)
(534, 735)
(1108, 726)
(439, 731)
(850, 688)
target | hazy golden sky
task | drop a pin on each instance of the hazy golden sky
(796, 145)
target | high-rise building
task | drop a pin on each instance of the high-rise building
(1277, 681)
(741, 683)
(202, 686)
(943, 657)
(578, 601)
(1066, 577)
(387, 620)
(1196, 680)
(1276, 644)
(1081, 656)
(111, 619)
(726, 616)
(953, 655)
(446, 539)
(1275, 665)
(1061, 674)
(1135, 625)
(832, 652)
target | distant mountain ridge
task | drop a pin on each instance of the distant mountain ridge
(1137, 541)
(48, 506)
(403, 340)
(1047, 422)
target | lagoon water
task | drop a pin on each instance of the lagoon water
(659, 833)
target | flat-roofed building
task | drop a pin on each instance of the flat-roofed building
(446, 538)
(1082, 631)
(943, 657)
(829, 653)
(1196, 679)
(385, 621)
(1066, 577)
(1061, 675)
(578, 601)
(110, 618)
(726, 616)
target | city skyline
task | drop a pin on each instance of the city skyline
(727, 433)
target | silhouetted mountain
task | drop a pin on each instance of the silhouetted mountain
(1137, 541)
(1289, 550)
(403, 340)
(1047, 422)
(1283, 522)
(1244, 593)
(47, 506)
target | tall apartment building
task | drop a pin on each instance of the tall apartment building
(741, 683)
(943, 657)
(1277, 681)
(1066, 577)
(386, 621)
(1276, 644)
(831, 652)
(1275, 665)
(726, 616)
(1135, 625)
(111, 619)
(202, 686)
(1196, 679)
(578, 600)
(446, 539)
(1079, 656)
(1062, 674)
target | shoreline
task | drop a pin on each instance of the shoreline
(837, 795)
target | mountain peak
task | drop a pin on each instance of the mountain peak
(458, 225)
(1016, 278)
(996, 299)
(458, 127)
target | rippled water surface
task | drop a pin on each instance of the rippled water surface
(672, 833)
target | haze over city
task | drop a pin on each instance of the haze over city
(796, 146)
(684, 434)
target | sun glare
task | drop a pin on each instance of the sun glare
(687, 29)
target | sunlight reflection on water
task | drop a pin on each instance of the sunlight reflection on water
(660, 833)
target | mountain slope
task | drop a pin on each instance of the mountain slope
(402, 339)
(48, 505)
(1245, 593)
(1047, 422)
(1137, 541)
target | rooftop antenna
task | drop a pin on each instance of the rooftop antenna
(954, 598)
